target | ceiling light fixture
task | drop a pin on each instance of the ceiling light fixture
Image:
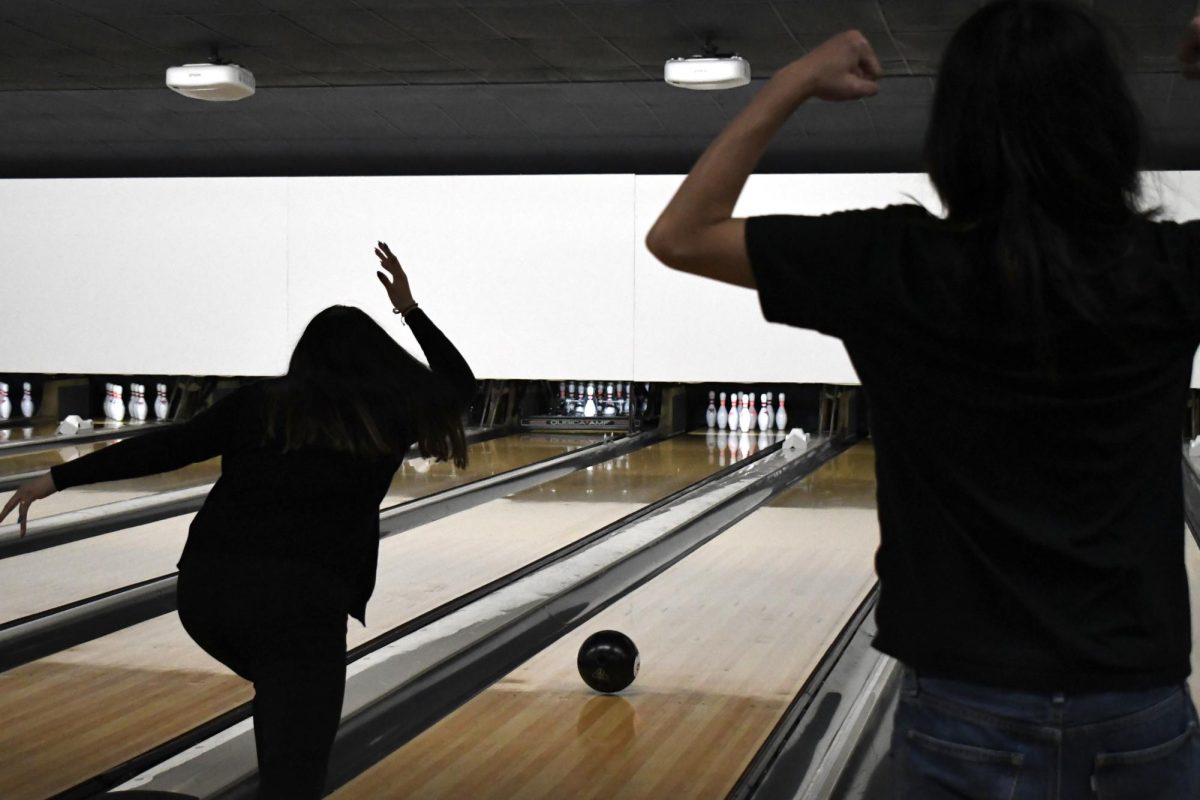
(709, 70)
(218, 80)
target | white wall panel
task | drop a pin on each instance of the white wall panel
(534, 276)
(693, 329)
(143, 276)
(530, 276)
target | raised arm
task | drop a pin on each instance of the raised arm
(696, 232)
(444, 358)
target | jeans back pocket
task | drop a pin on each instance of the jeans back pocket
(1168, 771)
(935, 769)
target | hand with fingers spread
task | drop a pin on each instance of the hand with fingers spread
(397, 287)
(1189, 50)
(36, 489)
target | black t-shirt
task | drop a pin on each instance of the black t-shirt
(313, 508)
(1032, 527)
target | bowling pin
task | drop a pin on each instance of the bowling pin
(710, 414)
(722, 414)
(568, 400)
(781, 414)
(26, 400)
(753, 414)
(161, 406)
(108, 392)
(118, 406)
(5, 403)
(589, 407)
(764, 416)
(610, 408)
(141, 403)
(744, 414)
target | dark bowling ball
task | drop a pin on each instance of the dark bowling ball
(608, 661)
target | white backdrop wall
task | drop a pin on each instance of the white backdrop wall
(532, 276)
(719, 332)
(143, 276)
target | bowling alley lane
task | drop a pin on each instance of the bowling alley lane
(45, 459)
(94, 706)
(727, 637)
(66, 573)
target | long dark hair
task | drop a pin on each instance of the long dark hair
(350, 387)
(1033, 146)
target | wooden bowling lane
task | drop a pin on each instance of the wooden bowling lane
(45, 459)
(81, 497)
(727, 637)
(94, 706)
(70, 572)
(416, 478)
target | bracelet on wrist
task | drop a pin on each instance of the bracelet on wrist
(404, 312)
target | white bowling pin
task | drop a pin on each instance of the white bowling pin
(722, 414)
(610, 407)
(26, 400)
(162, 407)
(5, 403)
(118, 404)
(141, 403)
(744, 414)
(781, 414)
(589, 407)
(710, 413)
(108, 393)
(764, 416)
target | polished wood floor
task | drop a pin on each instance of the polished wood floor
(727, 638)
(92, 707)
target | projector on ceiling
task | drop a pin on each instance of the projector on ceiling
(707, 72)
(222, 82)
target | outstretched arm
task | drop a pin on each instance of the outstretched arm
(444, 358)
(206, 435)
(696, 232)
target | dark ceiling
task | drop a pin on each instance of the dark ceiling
(479, 86)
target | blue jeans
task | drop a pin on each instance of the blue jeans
(968, 742)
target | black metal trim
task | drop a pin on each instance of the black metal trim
(789, 726)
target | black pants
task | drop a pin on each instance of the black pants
(283, 627)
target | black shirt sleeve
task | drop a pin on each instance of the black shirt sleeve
(815, 272)
(444, 358)
(208, 434)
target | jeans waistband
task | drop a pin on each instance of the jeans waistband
(1060, 708)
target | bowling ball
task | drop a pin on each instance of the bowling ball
(608, 661)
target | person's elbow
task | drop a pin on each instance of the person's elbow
(669, 247)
